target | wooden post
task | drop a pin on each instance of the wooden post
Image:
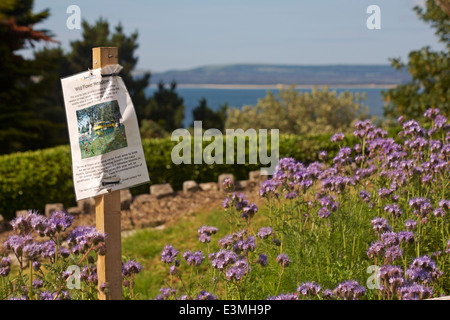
(107, 213)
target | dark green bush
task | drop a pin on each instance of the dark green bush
(29, 180)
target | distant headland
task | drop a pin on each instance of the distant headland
(273, 76)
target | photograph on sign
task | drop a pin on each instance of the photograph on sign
(100, 129)
(106, 147)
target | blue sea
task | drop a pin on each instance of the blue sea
(239, 97)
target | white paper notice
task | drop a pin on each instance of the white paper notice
(106, 146)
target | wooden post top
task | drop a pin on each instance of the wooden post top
(103, 56)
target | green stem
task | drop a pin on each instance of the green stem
(30, 293)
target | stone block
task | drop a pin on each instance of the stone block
(161, 190)
(52, 207)
(125, 199)
(74, 211)
(87, 206)
(190, 186)
(20, 213)
(209, 186)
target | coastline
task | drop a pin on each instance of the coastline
(284, 86)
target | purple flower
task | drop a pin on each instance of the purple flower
(32, 250)
(327, 294)
(249, 211)
(380, 225)
(17, 243)
(204, 295)
(394, 210)
(376, 249)
(365, 196)
(37, 284)
(414, 292)
(284, 296)
(228, 185)
(337, 137)
(439, 121)
(194, 259)
(226, 241)
(223, 258)
(410, 225)
(309, 289)
(22, 224)
(245, 246)
(384, 192)
(389, 239)
(393, 253)
(447, 249)
(324, 213)
(423, 269)
(444, 204)
(439, 212)
(82, 238)
(166, 293)
(226, 203)
(130, 267)
(237, 271)
(431, 113)
(205, 233)
(169, 254)
(283, 260)
(406, 236)
(387, 272)
(349, 290)
(323, 155)
(58, 222)
(239, 201)
(264, 232)
(5, 266)
(422, 206)
(268, 188)
(262, 259)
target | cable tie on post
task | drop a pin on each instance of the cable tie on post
(110, 75)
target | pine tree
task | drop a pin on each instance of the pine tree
(20, 127)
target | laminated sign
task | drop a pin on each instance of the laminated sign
(106, 146)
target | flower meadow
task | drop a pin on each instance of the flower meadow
(53, 263)
(371, 222)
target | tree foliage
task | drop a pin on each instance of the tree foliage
(210, 119)
(99, 35)
(429, 70)
(21, 123)
(166, 107)
(296, 112)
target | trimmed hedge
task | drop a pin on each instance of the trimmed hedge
(29, 180)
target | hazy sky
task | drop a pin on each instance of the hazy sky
(181, 34)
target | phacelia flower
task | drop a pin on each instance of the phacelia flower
(284, 296)
(194, 258)
(309, 289)
(204, 295)
(205, 233)
(337, 137)
(5, 266)
(283, 260)
(349, 290)
(264, 232)
(262, 260)
(169, 254)
(130, 267)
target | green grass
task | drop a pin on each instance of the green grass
(146, 245)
